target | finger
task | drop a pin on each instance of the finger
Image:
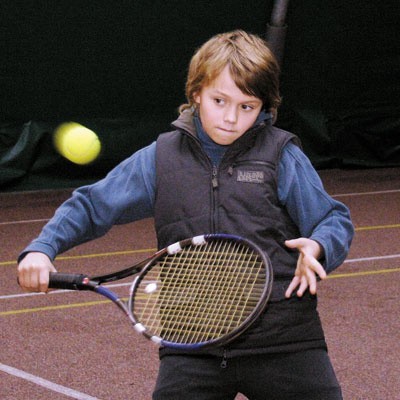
(312, 281)
(20, 279)
(294, 243)
(33, 281)
(43, 282)
(24, 277)
(25, 280)
(318, 269)
(321, 272)
(292, 286)
(28, 280)
(303, 286)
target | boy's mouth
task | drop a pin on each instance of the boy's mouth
(227, 130)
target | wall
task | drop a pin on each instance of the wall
(119, 67)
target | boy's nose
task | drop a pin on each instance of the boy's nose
(230, 115)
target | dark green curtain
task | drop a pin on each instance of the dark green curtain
(120, 69)
(341, 81)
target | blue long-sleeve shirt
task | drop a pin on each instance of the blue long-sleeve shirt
(127, 194)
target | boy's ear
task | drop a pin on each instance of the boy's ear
(196, 97)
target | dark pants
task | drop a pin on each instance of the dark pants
(303, 375)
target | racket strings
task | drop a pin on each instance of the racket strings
(209, 295)
(212, 298)
(176, 311)
(181, 311)
(230, 300)
(247, 287)
(202, 292)
(198, 318)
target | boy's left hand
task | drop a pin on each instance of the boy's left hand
(308, 266)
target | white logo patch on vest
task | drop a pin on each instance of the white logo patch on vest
(250, 176)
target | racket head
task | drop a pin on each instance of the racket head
(201, 292)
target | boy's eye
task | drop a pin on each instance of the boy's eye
(246, 107)
(219, 101)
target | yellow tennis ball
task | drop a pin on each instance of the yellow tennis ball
(77, 143)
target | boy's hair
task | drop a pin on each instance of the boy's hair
(251, 63)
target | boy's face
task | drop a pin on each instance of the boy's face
(226, 112)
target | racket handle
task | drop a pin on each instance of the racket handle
(69, 281)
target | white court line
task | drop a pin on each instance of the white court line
(26, 221)
(45, 383)
(351, 260)
(366, 193)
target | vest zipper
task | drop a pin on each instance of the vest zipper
(224, 362)
(214, 178)
(214, 184)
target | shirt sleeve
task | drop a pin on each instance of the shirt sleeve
(317, 215)
(125, 195)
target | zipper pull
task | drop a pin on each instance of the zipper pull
(224, 362)
(214, 177)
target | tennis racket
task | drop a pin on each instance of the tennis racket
(202, 291)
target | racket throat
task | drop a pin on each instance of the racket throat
(113, 297)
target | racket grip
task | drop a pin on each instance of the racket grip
(69, 281)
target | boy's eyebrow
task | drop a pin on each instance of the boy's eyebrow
(220, 92)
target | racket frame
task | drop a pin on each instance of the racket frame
(177, 247)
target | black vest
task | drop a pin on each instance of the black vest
(240, 197)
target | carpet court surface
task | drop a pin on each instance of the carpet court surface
(69, 345)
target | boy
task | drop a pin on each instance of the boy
(225, 168)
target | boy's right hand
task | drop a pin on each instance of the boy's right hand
(33, 272)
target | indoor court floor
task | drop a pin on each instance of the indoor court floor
(69, 345)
